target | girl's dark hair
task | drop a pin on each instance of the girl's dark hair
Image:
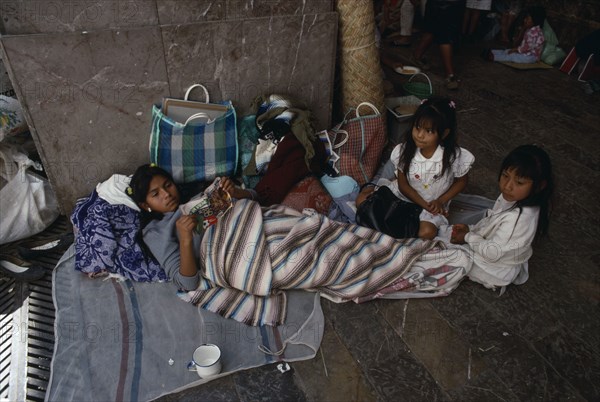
(137, 191)
(534, 163)
(441, 113)
(140, 184)
(537, 14)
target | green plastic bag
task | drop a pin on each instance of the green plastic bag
(551, 53)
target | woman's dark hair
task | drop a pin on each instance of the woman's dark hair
(140, 184)
(537, 14)
(440, 112)
(137, 191)
(533, 162)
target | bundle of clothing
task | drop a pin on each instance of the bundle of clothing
(288, 148)
(107, 235)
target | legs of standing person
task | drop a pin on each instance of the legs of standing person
(385, 16)
(502, 8)
(429, 26)
(470, 21)
(407, 15)
(446, 37)
(475, 14)
(422, 46)
(507, 21)
(472, 14)
(504, 25)
(446, 53)
(442, 26)
(509, 16)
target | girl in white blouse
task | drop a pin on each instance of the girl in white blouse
(431, 168)
(500, 243)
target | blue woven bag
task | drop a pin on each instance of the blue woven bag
(199, 148)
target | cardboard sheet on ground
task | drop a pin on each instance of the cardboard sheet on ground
(115, 340)
(527, 66)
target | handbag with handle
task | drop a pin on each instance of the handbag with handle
(194, 141)
(388, 214)
(358, 142)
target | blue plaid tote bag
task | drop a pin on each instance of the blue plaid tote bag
(194, 141)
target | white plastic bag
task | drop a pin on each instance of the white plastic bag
(27, 203)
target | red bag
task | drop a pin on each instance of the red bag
(358, 141)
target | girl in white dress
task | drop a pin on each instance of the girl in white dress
(500, 243)
(430, 167)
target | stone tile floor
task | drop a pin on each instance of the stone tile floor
(538, 341)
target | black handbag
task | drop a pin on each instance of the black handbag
(386, 213)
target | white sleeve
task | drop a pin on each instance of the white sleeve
(510, 241)
(463, 162)
(395, 156)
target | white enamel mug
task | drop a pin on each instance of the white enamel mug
(206, 360)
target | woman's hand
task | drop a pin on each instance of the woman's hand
(459, 231)
(185, 230)
(233, 190)
(228, 185)
(185, 227)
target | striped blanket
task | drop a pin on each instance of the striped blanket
(253, 254)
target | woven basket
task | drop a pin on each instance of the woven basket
(421, 90)
(360, 67)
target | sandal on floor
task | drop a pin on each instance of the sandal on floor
(14, 267)
(39, 248)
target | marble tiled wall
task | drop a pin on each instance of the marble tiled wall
(293, 55)
(20, 17)
(6, 88)
(87, 88)
(182, 11)
(87, 99)
(24, 17)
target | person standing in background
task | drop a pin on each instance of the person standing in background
(442, 26)
(398, 14)
(471, 16)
